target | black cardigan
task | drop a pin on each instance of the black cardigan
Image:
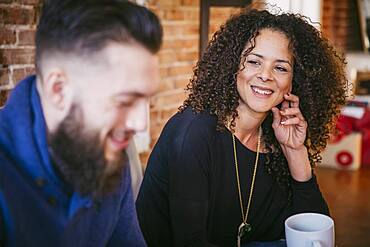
(189, 194)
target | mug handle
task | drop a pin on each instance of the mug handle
(316, 243)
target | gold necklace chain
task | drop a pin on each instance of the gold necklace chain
(245, 216)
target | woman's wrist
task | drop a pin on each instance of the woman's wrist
(298, 162)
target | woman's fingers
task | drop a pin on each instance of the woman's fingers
(293, 99)
(289, 114)
(276, 117)
(284, 105)
(292, 121)
(292, 112)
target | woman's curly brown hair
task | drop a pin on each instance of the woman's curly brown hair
(318, 80)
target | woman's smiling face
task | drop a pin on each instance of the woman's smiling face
(267, 72)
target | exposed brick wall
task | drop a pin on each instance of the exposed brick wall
(17, 29)
(340, 24)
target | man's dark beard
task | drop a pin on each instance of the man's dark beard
(79, 157)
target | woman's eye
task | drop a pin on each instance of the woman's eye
(281, 69)
(253, 62)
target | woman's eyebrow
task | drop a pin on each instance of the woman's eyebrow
(278, 60)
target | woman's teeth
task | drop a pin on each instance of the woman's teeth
(262, 91)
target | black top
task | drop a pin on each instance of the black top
(189, 194)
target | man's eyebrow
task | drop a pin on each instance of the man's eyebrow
(130, 94)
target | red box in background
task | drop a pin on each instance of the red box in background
(344, 154)
(350, 148)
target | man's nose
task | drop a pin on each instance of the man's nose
(137, 119)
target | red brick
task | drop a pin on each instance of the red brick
(17, 56)
(180, 43)
(170, 56)
(171, 30)
(4, 77)
(167, 114)
(16, 15)
(7, 36)
(162, 116)
(192, 29)
(192, 15)
(161, 3)
(222, 13)
(182, 82)
(190, 2)
(342, 4)
(190, 56)
(163, 72)
(341, 14)
(169, 100)
(167, 56)
(159, 12)
(155, 131)
(154, 116)
(180, 70)
(156, 125)
(174, 14)
(154, 139)
(19, 74)
(26, 37)
(166, 85)
(214, 26)
(176, 70)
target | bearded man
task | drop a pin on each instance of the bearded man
(64, 177)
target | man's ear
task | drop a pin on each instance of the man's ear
(58, 91)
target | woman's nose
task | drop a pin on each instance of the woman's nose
(264, 74)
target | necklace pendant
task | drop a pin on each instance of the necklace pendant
(244, 229)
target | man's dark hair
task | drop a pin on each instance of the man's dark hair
(84, 27)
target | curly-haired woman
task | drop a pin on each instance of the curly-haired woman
(237, 159)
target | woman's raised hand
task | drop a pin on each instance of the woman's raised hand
(290, 129)
(289, 124)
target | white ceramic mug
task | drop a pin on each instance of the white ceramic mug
(309, 230)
